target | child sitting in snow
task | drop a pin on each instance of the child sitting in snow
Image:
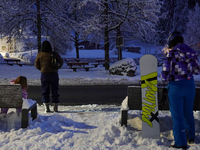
(23, 81)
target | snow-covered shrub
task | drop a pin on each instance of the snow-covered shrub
(6, 55)
(137, 60)
(124, 105)
(125, 66)
(14, 55)
(26, 57)
(1, 57)
(114, 51)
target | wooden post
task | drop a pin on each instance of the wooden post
(34, 112)
(38, 25)
(24, 121)
(124, 117)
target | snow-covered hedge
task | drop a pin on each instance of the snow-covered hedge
(1, 57)
(6, 55)
(125, 66)
(24, 57)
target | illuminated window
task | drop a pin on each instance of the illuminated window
(3, 48)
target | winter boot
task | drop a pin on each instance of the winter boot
(46, 107)
(55, 107)
(178, 147)
(191, 141)
(4, 110)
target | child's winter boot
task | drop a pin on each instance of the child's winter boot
(4, 110)
(55, 107)
(46, 107)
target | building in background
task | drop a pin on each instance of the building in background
(6, 46)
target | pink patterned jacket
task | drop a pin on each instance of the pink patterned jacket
(24, 94)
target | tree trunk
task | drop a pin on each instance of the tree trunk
(119, 42)
(106, 48)
(106, 38)
(38, 25)
(76, 45)
(76, 33)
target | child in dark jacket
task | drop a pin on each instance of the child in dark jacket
(49, 76)
(23, 82)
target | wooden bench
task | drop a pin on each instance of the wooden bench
(135, 101)
(77, 65)
(95, 64)
(71, 64)
(77, 59)
(11, 97)
(75, 68)
(100, 61)
(11, 61)
(86, 67)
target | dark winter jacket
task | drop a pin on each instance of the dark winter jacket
(180, 64)
(43, 59)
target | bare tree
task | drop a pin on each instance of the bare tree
(192, 36)
(172, 17)
(21, 18)
(132, 17)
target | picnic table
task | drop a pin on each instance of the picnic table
(76, 65)
(77, 59)
(11, 61)
(100, 61)
(71, 64)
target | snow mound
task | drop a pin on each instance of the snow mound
(125, 104)
(125, 66)
(27, 103)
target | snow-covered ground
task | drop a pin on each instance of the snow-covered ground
(86, 127)
(67, 77)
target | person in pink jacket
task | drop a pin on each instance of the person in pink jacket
(23, 81)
